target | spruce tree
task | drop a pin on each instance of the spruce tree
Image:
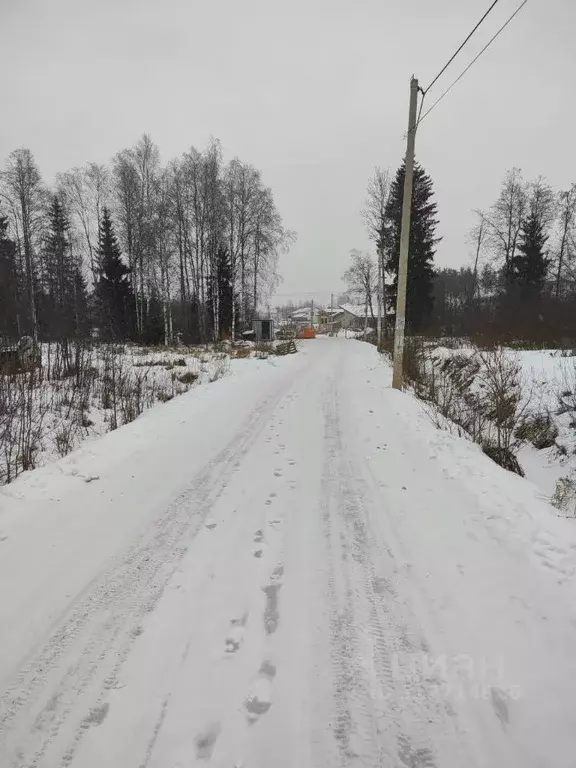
(9, 283)
(80, 303)
(529, 267)
(59, 277)
(113, 293)
(420, 296)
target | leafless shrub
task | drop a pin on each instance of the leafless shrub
(538, 429)
(189, 377)
(163, 395)
(478, 395)
(220, 368)
(133, 396)
(505, 457)
(567, 394)
(415, 363)
(263, 349)
(564, 497)
(47, 409)
(25, 406)
(154, 364)
(501, 386)
(64, 439)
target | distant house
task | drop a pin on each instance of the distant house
(329, 319)
(302, 318)
(354, 317)
(301, 314)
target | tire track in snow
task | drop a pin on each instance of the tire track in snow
(100, 628)
(380, 717)
(355, 727)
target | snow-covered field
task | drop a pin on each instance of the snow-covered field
(551, 377)
(290, 567)
(49, 412)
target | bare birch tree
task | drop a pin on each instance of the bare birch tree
(504, 220)
(374, 214)
(24, 191)
(86, 191)
(566, 250)
(361, 279)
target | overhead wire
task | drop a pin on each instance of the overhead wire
(451, 59)
(471, 64)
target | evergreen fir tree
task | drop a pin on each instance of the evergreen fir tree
(9, 283)
(81, 303)
(420, 296)
(113, 293)
(59, 276)
(528, 269)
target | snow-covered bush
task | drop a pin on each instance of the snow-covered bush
(564, 497)
(538, 429)
(480, 392)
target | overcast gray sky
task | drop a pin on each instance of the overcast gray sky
(312, 92)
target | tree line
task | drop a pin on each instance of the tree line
(521, 282)
(135, 249)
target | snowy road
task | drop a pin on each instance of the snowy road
(293, 568)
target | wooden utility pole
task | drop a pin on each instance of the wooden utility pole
(405, 240)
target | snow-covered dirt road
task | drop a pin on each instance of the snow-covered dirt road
(288, 568)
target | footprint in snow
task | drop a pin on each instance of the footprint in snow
(277, 473)
(259, 698)
(271, 613)
(500, 705)
(206, 740)
(258, 553)
(235, 637)
(211, 526)
(96, 716)
(259, 536)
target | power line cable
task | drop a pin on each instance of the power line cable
(451, 59)
(474, 60)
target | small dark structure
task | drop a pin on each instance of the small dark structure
(263, 330)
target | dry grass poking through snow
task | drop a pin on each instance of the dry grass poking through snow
(84, 390)
(518, 404)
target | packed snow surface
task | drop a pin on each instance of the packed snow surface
(291, 567)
